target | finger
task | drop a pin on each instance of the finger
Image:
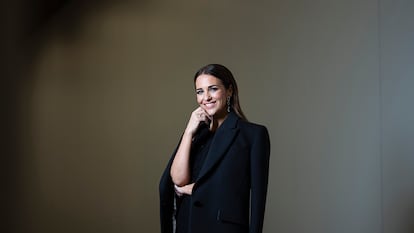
(202, 117)
(205, 116)
(200, 114)
(178, 191)
(190, 186)
(204, 112)
(207, 119)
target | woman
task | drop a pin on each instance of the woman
(216, 179)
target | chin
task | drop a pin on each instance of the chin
(211, 112)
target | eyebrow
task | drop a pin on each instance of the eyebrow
(214, 85)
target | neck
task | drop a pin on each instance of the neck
(217, 121)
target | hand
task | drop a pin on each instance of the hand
(186, 189)
(197, 116)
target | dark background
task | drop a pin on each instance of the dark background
(379, 173)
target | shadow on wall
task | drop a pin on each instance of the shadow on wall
(404, 223)
(410, 218)
(24, 26)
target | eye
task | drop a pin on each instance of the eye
(214, 88)
(199, 92)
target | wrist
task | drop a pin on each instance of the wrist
(188, 134)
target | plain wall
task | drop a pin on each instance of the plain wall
(109, 90)
(397, 97)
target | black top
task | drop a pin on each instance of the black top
(198, 154)
(239, 150)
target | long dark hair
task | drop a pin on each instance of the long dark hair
(226, 77)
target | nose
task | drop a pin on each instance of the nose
(207, 96)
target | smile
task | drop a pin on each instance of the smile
(209, 105)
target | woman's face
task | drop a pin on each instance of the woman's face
(212, 95)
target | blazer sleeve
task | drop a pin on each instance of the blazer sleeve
(166, 190)
(259, 168)
(167, 196)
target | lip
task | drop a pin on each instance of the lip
(210, 104)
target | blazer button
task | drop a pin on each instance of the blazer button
(198, 204)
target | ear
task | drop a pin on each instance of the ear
(230, 90)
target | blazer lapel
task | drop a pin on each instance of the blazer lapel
(220, 144)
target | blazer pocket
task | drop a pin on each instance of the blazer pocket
(231, 217)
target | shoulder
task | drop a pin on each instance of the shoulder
(234, 121)
(251, 126)
(253, 130)
(256, 135)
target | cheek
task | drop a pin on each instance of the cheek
(218, 95)
(221, 98)
(199, 99)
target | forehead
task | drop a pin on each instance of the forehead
(206, 80)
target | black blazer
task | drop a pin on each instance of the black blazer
(232, 183)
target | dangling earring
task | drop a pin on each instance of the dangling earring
(228, 103)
